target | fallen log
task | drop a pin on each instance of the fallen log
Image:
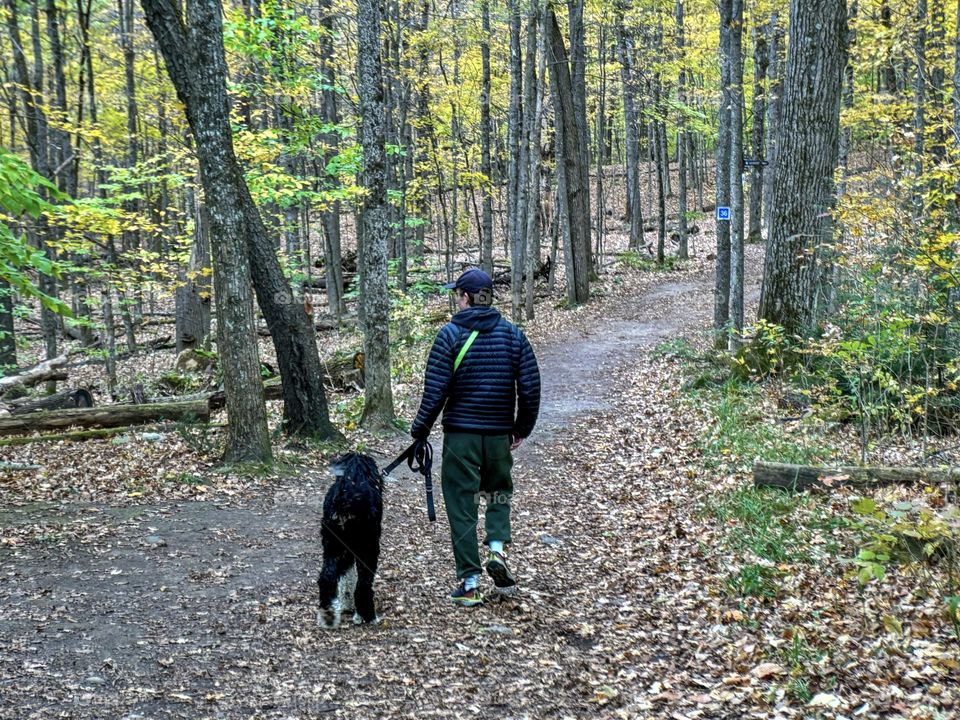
(38, 373)
(81, 435)
(344, 371)
(271, 391)
(105, 416)
(805, 477)
(78, 398)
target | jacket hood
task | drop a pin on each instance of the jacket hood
(483, 319)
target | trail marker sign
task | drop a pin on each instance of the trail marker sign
(723, 213)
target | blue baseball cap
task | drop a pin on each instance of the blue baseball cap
(472, 281)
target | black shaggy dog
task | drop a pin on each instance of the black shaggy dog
(350, 534)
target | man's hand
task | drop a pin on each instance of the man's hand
(516, 442)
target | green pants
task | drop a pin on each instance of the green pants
(476, 466)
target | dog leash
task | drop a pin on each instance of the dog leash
(421, 453)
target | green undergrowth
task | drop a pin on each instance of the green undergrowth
(766, 531)
(769, 537)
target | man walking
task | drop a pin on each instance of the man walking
(483, 375)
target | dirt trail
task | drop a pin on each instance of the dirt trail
(206, 609)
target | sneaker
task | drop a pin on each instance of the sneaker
(498, 570)
(466, 598)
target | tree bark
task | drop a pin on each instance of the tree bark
(631, 131)
(578, 83)
(804, 477)
(682, 250)
(573, 187)
(8, 338)
(105, 416)
(775, 71)
(330, 218)
(194, 295)
(803, 192)
(761, 59)
(956, 79)
(736, 174)
(721, 306)
(195, 61)
(374, 293)
(33, 375)
(486, 134)
(63, 400)
(533, 230)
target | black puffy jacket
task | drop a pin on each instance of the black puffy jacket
(496, 390)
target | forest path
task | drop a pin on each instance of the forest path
(207, 609)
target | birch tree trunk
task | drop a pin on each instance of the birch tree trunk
(803, 191)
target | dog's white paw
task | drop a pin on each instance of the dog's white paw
(357, 620)
(329, 618)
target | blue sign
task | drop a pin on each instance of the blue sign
(723, 213)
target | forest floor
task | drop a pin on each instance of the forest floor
(193, 595)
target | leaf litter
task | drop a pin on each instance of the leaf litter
(139, 581)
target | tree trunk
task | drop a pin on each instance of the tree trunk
(578, 83)
(533, 230)
(195, 62)
(938, 57)
(65, 169)
(107, 342)
(520, 254)
(956, 79)
(682, 249)
(775, 71)
(661, 168)
(601, 143)
(572, 176)
(193, 296)
(8, 338)
(486, 133)
(803, 192)
(920, 100)
(631, 132)
(761, 58)
(330, 218)
(721, 307)
(736, 174)
(375, 299)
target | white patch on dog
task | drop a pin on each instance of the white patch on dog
(346, 587)
(330, 617)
